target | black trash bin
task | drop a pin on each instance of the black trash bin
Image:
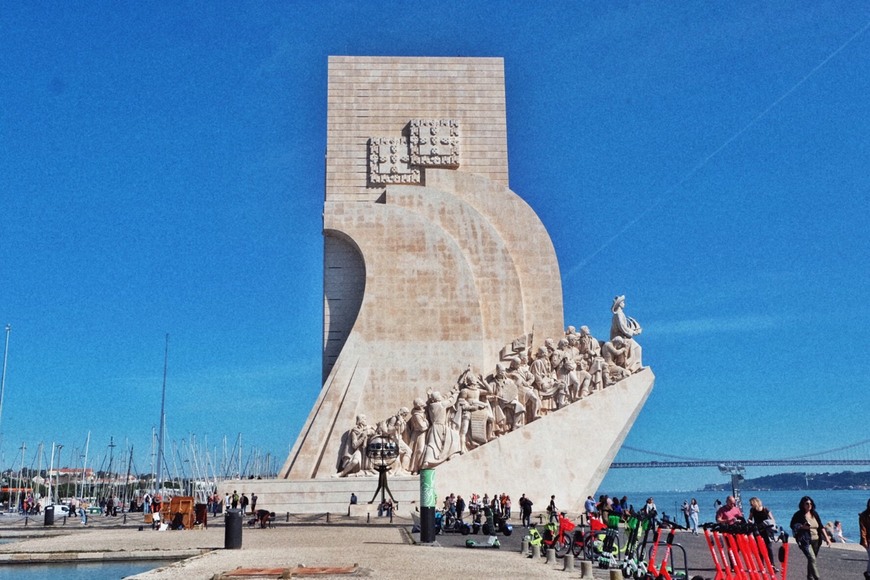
(49, 515)
(233, 530)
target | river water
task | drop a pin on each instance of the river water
(843, 505)
(96, 571)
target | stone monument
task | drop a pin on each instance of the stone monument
(442, 316)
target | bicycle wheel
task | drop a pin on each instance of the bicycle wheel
(577, 545)
(449, 520)
(562, 546)
(589, 546)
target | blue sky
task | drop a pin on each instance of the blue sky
(162, 172)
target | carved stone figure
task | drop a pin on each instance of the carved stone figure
(353, 455)
(577, 380)
(418, 426)
(573, 348)
(622, 325)
(588, 345)
(519, 372)
(468, 406)
(613, 353)
(442, 439)
(541, 370)
(481, 419)
(627, 328)
(394, 428)
(504, 396)
(558, 393)
(528, 396)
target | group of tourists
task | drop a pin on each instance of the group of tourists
(218, 504)
(806, 525)
(500, 504)
(608, 506)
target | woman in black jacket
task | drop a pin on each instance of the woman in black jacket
(809, 533)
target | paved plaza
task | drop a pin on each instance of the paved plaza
(378, 548)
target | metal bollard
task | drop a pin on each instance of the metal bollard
(551, 556)
(536, 552)
(327, 517)
(524, 547)
(288, 517)
(568, 563)
(368, 518)
(586, 569)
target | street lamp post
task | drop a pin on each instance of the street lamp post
(736, 472)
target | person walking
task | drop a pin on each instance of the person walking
(864, 525)
(764, 523)
(687, 511)
(552, 511)
(809, 533)
(650, 512)
(526, 510)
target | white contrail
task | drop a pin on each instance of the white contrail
(658, 201)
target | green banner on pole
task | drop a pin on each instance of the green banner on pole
(427, 488)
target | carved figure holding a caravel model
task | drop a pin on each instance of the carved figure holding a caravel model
(627, 328)
(478, 410)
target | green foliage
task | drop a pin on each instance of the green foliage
(802, 480)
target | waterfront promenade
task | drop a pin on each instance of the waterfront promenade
(379, 549)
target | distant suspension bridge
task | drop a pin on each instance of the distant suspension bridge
(854, 454)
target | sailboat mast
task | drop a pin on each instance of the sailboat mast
(127, 480)
(162, 420)
(21, 476)
(3, 376)
(85, 464)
